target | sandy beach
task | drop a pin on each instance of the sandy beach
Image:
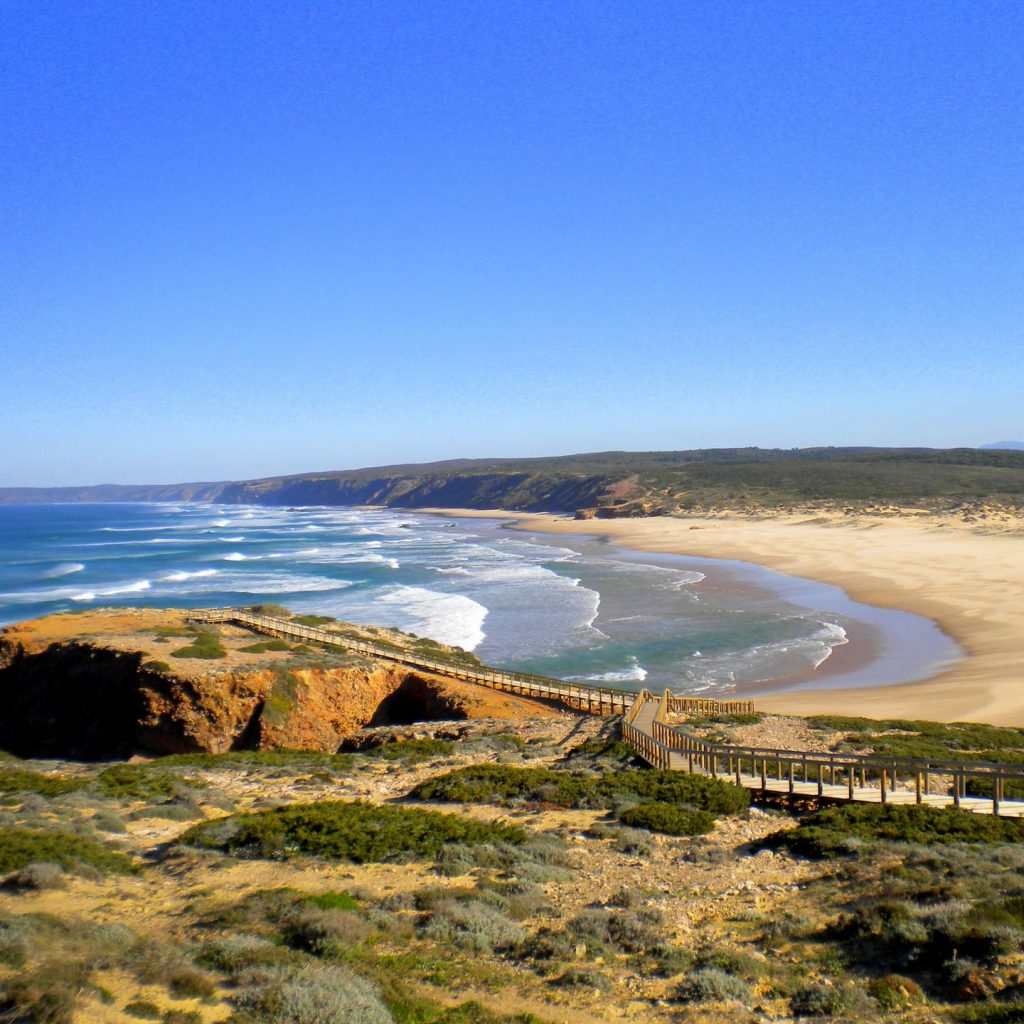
(968, 580)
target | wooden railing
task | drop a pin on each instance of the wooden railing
(596, 700)
(676, 705)
(981, 785)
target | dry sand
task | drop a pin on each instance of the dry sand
(969, 580)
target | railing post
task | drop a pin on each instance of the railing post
(885, 772)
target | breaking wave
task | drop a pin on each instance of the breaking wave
(66, 569)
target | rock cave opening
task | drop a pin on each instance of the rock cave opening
(416, 700)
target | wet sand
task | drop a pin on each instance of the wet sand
(969, 581)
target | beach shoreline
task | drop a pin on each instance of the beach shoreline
(970, 583)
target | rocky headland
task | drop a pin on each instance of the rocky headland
(114, 682)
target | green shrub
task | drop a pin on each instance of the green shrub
(20, 847)
(332, 901)
(474, 925)
(299, 759)
(274, 611)
(829, 832)
(894, 992)
(206, 645)
(495, 783)
(357, 832)
(21, 780)
(107, 821)
(236, 953)
(412, 751)
(267, 645)
(182, 1017)
(319, 931)
(137, 782)
(142, 1009)
(818, 1001)
(668, 818)
(313, 620)
(712, 985)
(157, 666)
(317, 994)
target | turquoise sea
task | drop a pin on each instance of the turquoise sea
(575, 608)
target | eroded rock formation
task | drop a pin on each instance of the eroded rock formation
(102, 694)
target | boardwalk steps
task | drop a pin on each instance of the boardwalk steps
(819, 776)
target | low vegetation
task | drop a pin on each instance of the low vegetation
(838, 830)
(299, 909)
(205, 645)
(20, 847)
(22, 780)
(496, 783)
(357, 832)
(898, 737)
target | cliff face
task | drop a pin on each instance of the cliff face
(112, 682)
(80, 700)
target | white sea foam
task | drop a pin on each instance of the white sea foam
(451, 618)
(636, 673)
(64, 569)
(181, 575)
(686, 579)
(771, 660)
(236, 556)
(129, 588)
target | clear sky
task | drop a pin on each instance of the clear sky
(241, 239)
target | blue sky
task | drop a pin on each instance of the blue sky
(240, 239)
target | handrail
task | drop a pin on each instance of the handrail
(827, 774)
(601, 700)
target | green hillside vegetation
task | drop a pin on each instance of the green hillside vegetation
(631, 483)
(256, 887)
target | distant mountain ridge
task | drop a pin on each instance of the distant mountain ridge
(620, 483)
(1003, 446)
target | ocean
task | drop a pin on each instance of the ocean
(575, 608)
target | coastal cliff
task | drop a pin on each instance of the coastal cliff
(97, 686)
(624, 484)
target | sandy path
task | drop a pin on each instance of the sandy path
(969, 581)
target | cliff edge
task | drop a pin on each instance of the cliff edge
(109, 683)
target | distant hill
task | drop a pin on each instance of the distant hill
(1003, 446)
(624, 483)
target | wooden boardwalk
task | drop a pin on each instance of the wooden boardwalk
(820, 776)
(814, 776)
(595, 700)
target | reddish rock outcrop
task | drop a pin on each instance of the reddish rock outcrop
(105, 694)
